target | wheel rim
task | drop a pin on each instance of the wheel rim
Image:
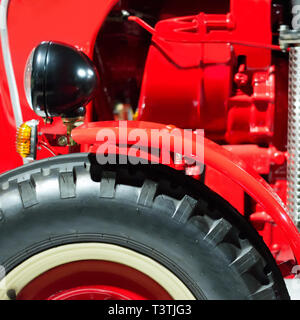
(96, 293)
(92, 271)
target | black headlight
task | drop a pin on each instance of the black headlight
(59, 80)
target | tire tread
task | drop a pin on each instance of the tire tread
(200, 212)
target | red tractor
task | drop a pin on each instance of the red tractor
(150, 149)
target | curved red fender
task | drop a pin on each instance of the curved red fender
(216, 157)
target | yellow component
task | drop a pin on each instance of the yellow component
(24, 140)
(135, 116)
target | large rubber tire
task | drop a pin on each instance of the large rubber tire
(156, 211)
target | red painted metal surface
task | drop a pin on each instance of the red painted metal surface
(96, 293)
(197, 56)
(9, 158)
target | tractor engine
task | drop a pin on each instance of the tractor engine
(209, 70)
(227, 90)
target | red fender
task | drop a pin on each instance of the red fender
(216, 157)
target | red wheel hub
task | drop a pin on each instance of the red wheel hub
(93, 280)
(96, 293)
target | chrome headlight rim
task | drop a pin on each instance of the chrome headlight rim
(28, 78)
(35, 78)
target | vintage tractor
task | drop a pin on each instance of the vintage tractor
(149, 148)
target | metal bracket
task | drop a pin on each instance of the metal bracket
(288, 37)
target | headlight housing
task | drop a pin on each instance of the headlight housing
(59, 80)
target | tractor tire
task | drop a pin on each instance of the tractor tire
(70, 227)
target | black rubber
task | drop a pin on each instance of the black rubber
(154, 210)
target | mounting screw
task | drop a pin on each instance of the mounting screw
(62, 141)
(284, 27)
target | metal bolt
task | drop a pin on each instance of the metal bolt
(62, 141)
(284, 27)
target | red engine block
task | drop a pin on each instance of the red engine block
(223, 87)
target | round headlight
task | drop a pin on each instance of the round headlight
(59, 80)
